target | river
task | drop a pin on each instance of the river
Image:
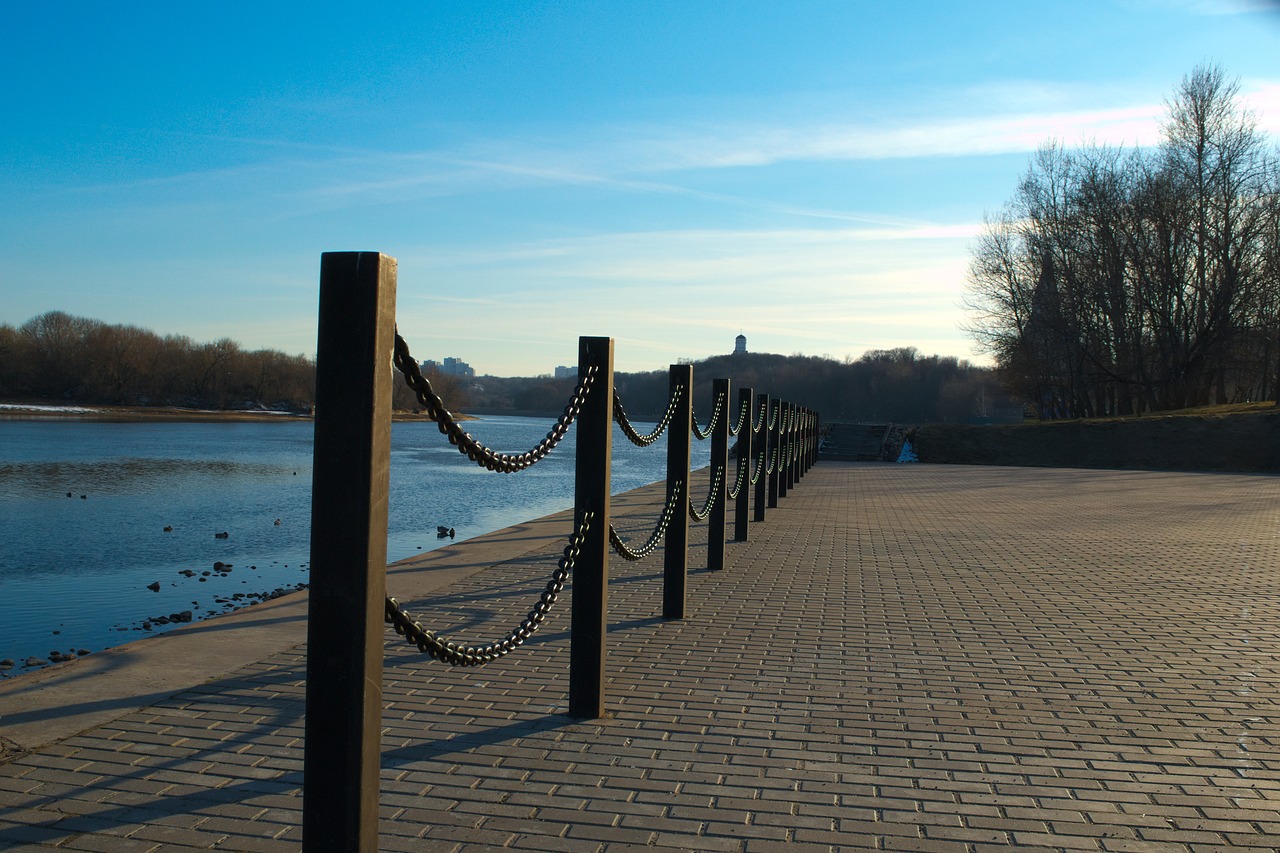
(105, 527)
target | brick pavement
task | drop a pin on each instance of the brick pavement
(902, 658)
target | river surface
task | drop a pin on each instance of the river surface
(92, 514)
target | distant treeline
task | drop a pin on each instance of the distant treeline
(897, 385)
(56, 356)
(59, 357)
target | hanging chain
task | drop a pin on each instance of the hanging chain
(668, 513)
(742, 418)
(764, 412)
(711, 498)
(742, 473)
(455, 655)
(755, 477)
(505, 463)
(715, 417)
(620, 415)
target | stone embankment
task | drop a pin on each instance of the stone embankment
(1230, 442)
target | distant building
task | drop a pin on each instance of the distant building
(740, 344)
(563, 372)
(458, 367)
(450, 367)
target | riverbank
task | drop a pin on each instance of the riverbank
(1247, 440)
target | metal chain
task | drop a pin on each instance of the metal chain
(755, 478)
(668, 513)
(505, 463)
(711, 498)
(773, 418)
(742, 418)
(773, 461)
(451, 653)
(715, 418)
(620, 416)
(764, 413)
(742, 473)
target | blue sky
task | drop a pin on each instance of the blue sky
(669, 174)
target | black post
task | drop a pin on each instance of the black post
(817, 439)
(802, 448)
(589, 623)
(746, 458)
(793, 438)
(785, 427)
(811, 442)
(349, 485)
(676, 544)
(762, 449)
(775, 449)
(719, 486)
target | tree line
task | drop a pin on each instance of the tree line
(57, 356)
(898, 385)
(60, 357)
(1122, 282)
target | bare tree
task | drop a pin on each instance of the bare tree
(1116, 282)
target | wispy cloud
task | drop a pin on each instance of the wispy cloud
(837, 291)
(1008, 117)
(1216, 7)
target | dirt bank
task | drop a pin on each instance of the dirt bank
(1229, 442)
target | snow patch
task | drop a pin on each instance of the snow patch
(68, 410)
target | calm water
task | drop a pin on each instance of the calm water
(74, 571)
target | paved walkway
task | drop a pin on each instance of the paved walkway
(902, 657)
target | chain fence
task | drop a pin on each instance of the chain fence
(717, 410)
(742, 473)
(716, 479)
(664, 521)
(742, 417)
(624, 423)
(757, 419)
(454, 654)
(505, 463)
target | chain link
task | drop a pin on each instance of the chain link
(742, 473)
(764, 413)
(620, 416)
(505, 463)
(755, 478)
(715, 418)
(742, 418)
(428, 642)
(668, 513)
(711, 498)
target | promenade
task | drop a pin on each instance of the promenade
(902, 657)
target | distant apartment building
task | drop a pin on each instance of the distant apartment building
(563, 372)
(450, 367)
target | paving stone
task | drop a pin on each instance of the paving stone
(899, 657)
